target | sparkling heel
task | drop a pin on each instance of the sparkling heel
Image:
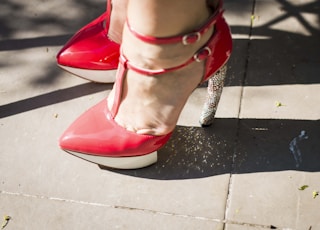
(214, 91)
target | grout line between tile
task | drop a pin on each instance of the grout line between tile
(228, 200)
(54, 199)
(110, 206)
(246, 66)
(224, 221)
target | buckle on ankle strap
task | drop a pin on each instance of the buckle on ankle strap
(202, 54)
(191, 38)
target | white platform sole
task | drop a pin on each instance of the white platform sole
(99, 76)
(120, 162)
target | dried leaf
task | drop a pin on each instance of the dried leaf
(303, 187)
(278, 104)
(5, 221)
(315, 194)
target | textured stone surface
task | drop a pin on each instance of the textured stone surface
(244, 172)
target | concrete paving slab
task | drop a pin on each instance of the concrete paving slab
(274, 159)
(284, 62)
(297, 102)
(269, 158)
(274, 199)
(284, 43)
(39, 212)
(278, 147)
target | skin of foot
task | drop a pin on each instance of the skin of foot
(117, 19)
(152, 104)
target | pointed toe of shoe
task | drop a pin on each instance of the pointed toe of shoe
(83, 134)
(94, 133)
(90, 48)
(96, 138)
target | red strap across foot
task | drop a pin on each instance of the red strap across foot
(201, 55)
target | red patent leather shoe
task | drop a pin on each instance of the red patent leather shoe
(90, 53)
(96, 137)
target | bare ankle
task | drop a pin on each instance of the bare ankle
(117, 20)
(166, 17)
(155, 56)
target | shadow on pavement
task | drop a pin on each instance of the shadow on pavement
(231, 145)
(256, 146)
(51, 98)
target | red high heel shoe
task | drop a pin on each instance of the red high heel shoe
(96, 137)
(90, 53)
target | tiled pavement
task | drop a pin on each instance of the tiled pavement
(244, 172)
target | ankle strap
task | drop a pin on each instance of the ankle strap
(186, 39)
(199, 56)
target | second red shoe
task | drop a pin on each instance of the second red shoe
(90, 53)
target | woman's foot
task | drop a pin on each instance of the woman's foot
(152, 104)
(153, 83)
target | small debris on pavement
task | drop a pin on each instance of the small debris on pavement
(252, 19)
(278, 104)
(315, 194)
(303, 187)
(5, 221)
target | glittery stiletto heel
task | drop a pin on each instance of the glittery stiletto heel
(95, 136)
(90, 54)
(214, 91)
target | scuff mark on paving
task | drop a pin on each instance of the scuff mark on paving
(294, 147)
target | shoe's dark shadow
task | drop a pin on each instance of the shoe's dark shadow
(236, 146)
(193, 152)
(277, 145)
